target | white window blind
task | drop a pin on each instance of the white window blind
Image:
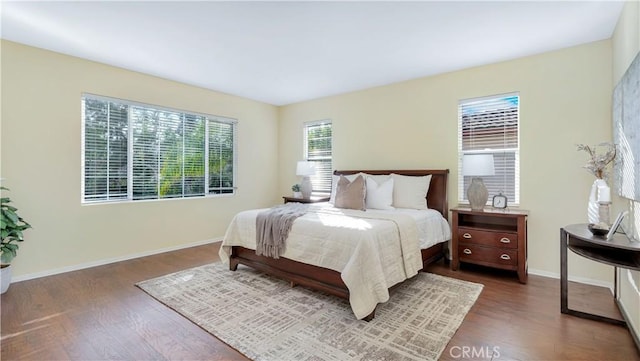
(490, 125)
(134, 151)
(317, 140)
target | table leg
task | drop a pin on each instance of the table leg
(564, 304)
(615, 283)
(564, 287)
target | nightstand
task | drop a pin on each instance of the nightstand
(492, 238)
(313, 199)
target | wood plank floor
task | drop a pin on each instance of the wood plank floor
(98, 314)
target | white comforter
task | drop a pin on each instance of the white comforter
(372, 250)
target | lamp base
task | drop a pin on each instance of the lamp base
(306, 187)
(477, 194)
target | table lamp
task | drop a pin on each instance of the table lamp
(306, 169)
(477, 166)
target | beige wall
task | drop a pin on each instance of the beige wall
(565, 99)
(41, 162)
(626, 46)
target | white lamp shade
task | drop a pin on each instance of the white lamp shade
(478, 165)
(305, 168)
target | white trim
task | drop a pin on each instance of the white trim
(630, 325)
(222, 118)
(488, 97)
(208, 118)
(623, 307)
(583, 280)
(493, 100)
(305, 139)
(111, 260)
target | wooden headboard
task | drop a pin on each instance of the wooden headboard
(437, 194)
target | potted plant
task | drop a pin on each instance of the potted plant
(11, 228)
(296, 191)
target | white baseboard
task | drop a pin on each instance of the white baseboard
(102, 262)
(208, 241)
(588, 281)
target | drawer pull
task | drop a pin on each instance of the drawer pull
(466, 235)
(505, 240)
(505, 257)
(466, 251)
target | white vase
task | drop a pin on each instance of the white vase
(306, 187)
(297, 194)
(5, 278)
(600, 195)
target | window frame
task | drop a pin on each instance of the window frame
(207, 192)
(315, 178)
(493, 190)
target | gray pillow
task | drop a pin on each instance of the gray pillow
(350, 194)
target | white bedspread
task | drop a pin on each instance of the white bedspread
(372, 250)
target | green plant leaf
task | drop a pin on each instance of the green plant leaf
(12, 217)
(11, 228)
(10, 246)
(6, 257)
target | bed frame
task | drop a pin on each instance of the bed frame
(329, 281)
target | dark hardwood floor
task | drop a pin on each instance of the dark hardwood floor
(98, 314)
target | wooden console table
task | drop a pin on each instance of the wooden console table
(619, 251)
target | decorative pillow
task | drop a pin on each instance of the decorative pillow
(334, 184)
(379, 194)
(350, 194)
(410, 191)
(379, 178)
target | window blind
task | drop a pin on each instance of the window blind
(490, 125)
(221, 157)
(317, 139)
(134, 151)
(105, 150)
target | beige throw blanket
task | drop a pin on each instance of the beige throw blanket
(273, 226)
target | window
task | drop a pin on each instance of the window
(134, 151)
(490, 125)
(317, 149)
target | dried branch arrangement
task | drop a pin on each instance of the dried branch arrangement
(598, 164)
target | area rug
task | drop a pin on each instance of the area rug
(265, 319)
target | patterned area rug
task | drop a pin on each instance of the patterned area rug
(265, 319)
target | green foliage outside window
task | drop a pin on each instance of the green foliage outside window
(163, 155)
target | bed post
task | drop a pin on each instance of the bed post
(233, 259)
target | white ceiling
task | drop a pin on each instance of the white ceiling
(286, 52)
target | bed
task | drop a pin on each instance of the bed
(365, 272)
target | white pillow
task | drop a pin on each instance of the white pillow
(379, 195)
(410, 191)
(379, 178)
(334, 184)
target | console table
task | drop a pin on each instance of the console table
(618, 251)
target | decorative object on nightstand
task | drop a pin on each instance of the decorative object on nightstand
(495, 239)
(477, 166)
(296, 191)
(306, 169)
(499, 201)
(598, 165)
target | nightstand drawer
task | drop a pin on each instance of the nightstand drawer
(489, 238)
(480, 254)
